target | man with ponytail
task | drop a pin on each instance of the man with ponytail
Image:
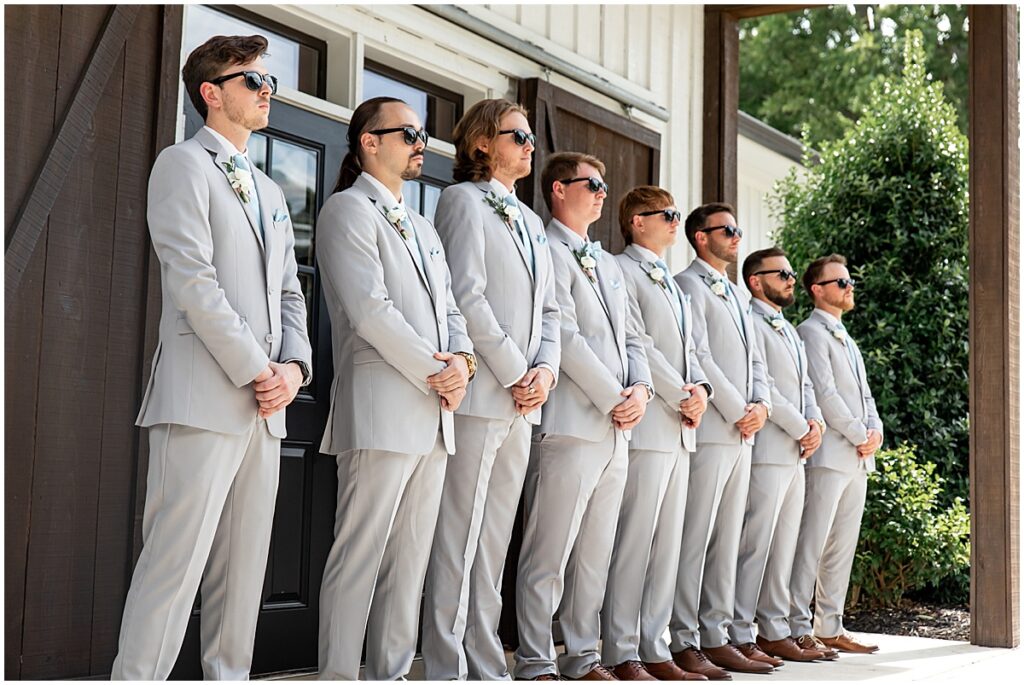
(402, 361)
(503, 282)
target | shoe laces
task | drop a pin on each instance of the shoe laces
(604, 671)
(701, 656)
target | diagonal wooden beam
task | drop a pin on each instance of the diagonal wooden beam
(74, 126)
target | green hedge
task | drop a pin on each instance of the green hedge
(891, 195)
(909, 540)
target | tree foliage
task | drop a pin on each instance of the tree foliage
(891, 195)
(811, 72)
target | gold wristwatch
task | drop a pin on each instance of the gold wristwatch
(470, 362)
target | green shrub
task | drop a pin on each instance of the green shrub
(909, 540)
(891, 195)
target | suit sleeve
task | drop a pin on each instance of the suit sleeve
(458, 338)
(353, 275)
(579, 361)
(834, 410)
(178, 214)
(667, 380)
(460, 224)
(636, 355)
(872, 419)
(785, 414)
(811, 408)
(294, 337)
(550, 352)
(728, 400)
(696, 375)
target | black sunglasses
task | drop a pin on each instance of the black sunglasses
(520, 136)
(254, 80)
(594, 185)
(409, 134)
(843, 283)
(784, 274)
(730, 231)
(669, 214)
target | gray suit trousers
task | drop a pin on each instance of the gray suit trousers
(833, 508)
(387, 508)
(770, 529)
(209, 512)
(474, 526)
(573, 493)
(705, 589)
(642, 577)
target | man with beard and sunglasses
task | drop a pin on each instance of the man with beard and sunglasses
(578, 466)
(837, 475)
(233, 353)
(645, 563)
(776, 497)
(502, 279)
(720, 467)
(402, 360)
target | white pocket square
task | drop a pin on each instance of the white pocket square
(615, 284)
(435, 252)
(280, 215)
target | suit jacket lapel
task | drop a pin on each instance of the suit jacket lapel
(675, 304)
(268, 199)
(486, 187)
(435, 285)
(221, 158)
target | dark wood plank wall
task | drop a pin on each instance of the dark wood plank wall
(75, 339)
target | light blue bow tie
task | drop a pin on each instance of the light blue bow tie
(593, 249)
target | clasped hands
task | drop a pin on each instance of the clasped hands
(753, 420)
(451, 381)
(693, 407)
(868, 447)
(628, 412)
(810, 443)
(531, 391)
(276, 387)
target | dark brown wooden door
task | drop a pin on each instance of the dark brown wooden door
(565, 122)
(631, 153)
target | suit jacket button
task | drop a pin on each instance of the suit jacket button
(269, 338)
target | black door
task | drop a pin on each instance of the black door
(302, 152)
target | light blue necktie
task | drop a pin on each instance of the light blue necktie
(524, 237)
(670, 284)
(417, 253)
(242, 163)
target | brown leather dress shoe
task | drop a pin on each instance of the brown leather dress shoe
(728, 656)
(667, 670)
(788, 649)
(812, 643)
(847, 643)
(695, 661)
(754, 653)
(632, 670)
(598, 672)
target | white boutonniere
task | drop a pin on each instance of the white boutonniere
(776, 322)
(505, 211)
(657, 275)
(587, 256)
(240, 180)
(717, 285)
(837, 333)
(396, 215)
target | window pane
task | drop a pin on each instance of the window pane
(257, 150)
(294, 169)
(378, 85)
(431, 194)
(202, 23)
(411, 195)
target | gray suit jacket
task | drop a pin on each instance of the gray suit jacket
(510, 312)
(793, 402)
(602, 350)
(231, 303)
(730, 359)
(843, 395)
(387, 320)
(671, 354)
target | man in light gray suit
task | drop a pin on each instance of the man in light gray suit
(578, 463)
(402, 360)
(720, 467)
(645, 563)
(503, 282)
(837, 475)
(232, 354)
(776, 497)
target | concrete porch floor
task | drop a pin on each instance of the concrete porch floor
(899, 659)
